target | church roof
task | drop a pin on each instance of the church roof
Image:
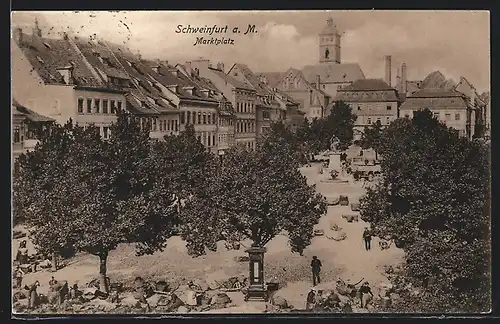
(330, 28)
(333, 73)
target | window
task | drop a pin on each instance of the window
(89, 106)
(154, 125)
(359, 108)
(388, 120)
(209, 119)
(369, 121)
(176, 125)
(119, 105)
(436, 115)
(17, 134)
(105, 132)
(389, 107)
(183, 116)
(265, 115)
(457, 116)
(80, 105)
(97, 107)
(105, 106)
(323, 86)
(447, 116)
(188, 117)
(113, 107)
(208, 138)
(214, 121)
(213, 139)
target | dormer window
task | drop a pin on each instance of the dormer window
(47, 45)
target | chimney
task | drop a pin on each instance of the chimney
(188, 68)
(18, 35)
(220, 66)
(403, 78)
(201, 64)
(388, 77)
(36, 29)
(398, 80)
(318, 82)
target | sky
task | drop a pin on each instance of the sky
(457, 43)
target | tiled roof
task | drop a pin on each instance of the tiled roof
(229, 79)
(101, 57)
(435, 99)
(347, 72)
(47, 55)
(367, 85)
(18, 109)
(301, 75)
(260, 87)
(138, 105)
(434, 80)
(273, 78)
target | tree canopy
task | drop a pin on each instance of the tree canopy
(434, 200)
(255, 194)
(99, 194)
(340, 123)
(372, 136)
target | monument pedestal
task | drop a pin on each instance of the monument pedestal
(256, 290)
(335, 164)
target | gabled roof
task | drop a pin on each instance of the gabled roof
(232, 81)
(368, 85)
(101, 57)
(18, 109)
(333, 73)
(47, 55)
(435, 98)
(273, 78)
(299, 74)
(259, 86)
(434, 80)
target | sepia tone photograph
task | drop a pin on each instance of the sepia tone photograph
(250, 162)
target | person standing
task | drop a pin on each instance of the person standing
(33, 295)
(316, 269)
(366, 294)
(367, 237)
(311, 297)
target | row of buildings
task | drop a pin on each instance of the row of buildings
(89, 80)
(317, 87)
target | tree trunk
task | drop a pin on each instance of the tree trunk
(54, 262)
(103, 280)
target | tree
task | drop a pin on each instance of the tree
(186, 162)
(112, 192)
(372, 137)
(434, 201)
(254, 194)
(39, 189)
(340, 122)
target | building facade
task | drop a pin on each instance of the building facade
(371, 100)
(447, 105)
(243, 98)
(24, 125)
(51, 78)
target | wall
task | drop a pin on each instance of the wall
(205, 122)
(332, 88)
(370, 112)
(447, 116)
(55, 101)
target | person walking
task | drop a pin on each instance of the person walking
(367, 237)
(316, 269)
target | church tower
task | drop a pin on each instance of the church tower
(329, 44)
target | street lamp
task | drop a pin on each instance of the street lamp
(256, 290)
